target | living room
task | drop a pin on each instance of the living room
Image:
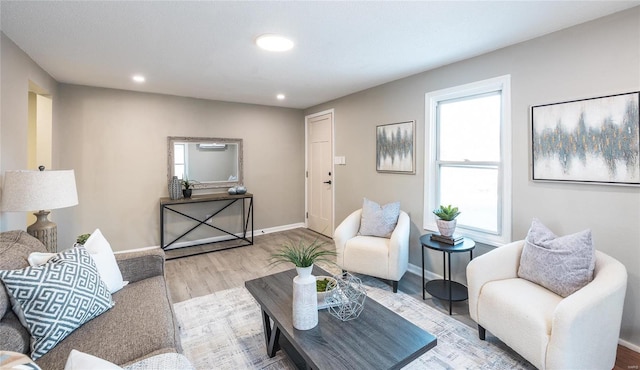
(115, 140)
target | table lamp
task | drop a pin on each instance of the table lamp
(42, 190)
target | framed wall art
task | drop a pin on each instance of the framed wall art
(592, 140)
(395, 147)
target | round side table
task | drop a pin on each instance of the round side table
(445, 288)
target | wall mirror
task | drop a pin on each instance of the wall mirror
(211, 162)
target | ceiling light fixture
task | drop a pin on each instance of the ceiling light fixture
(138, 78)
(280, 96)
(271, 42)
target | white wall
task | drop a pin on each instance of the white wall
(594, 59)
(117, 143)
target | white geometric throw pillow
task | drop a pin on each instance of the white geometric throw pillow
(58, 297)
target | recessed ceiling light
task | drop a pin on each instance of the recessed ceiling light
(273, 42)
(280, 96)
(138, 78)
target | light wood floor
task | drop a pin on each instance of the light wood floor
(195, 276)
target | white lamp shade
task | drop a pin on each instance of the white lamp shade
(38, 190)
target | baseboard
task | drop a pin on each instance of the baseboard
(631, 346)
(427, 274)
(215, 239)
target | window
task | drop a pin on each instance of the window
(468, 160)
(179, 159)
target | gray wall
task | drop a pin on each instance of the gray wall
(17, 69)
(594, 59)
(117, 143)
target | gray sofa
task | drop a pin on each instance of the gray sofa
(140, 325)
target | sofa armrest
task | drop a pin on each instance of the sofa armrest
(399, 247)
(140, 265)
(586, 324)
(499, 264)
(345, 231)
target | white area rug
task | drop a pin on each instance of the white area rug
(224, 331)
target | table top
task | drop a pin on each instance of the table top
(204, 198)
(377, 339)
(466, 245)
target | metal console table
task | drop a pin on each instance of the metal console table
(168, 204)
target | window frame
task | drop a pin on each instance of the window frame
(502, 84)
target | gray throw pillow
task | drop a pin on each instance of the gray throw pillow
(562, 264)
(379, 220)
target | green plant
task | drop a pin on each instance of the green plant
(82, 238)
(186, 183)
(302, 253)
(447, 213)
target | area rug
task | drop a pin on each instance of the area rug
(224, 331)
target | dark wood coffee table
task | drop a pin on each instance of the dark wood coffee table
(377, 339)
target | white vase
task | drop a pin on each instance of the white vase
(446, 228)
(305, 299)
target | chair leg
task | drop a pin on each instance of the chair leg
(482, 332)
(395, 286)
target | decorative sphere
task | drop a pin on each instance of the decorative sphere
(241, 189)
(232, 191)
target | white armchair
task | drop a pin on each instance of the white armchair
(379, 257)
(577, 332)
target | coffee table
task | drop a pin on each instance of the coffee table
(377, 339)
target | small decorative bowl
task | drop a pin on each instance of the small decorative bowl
(323, 294)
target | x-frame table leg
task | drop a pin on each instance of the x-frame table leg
(271, 335)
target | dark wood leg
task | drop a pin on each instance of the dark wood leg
(273, 345)
(482, 332)
(271, 335)
(395, 286)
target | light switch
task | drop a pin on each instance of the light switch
(339, 160)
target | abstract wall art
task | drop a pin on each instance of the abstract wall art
(395, 147)
(592, 140)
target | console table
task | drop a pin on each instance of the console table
(445, 288)
(172, 205)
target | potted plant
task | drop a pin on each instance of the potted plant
(305, 298)
(302, 254)
(446, 219)
(188, 186)
(81, 239)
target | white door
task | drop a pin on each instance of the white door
(320, 173)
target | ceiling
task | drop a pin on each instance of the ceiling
(205, 49)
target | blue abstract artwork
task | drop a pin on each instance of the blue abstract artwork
(395, 147)
(590, 141)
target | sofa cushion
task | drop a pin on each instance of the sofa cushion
(57, 298)
(15, 247)
(141, 322)
(378, 220)
(13, 335)
(562, 264)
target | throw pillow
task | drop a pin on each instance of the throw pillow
(379, 220)
(562, 264)
(58, 297)
(103, 256)
(82, 361)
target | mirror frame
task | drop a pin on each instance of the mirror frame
(204, 184)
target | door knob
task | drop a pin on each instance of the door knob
(327, 182)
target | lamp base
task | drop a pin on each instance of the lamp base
(45, 231)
